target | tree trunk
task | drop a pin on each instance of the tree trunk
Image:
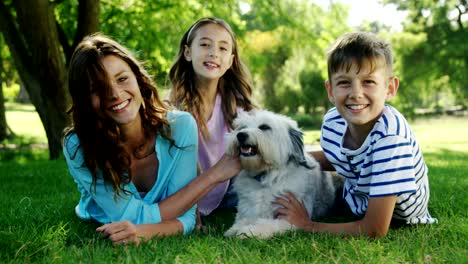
(36, 49)
(4, 132)
(48, 89)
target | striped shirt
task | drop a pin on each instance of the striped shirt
(389, 162)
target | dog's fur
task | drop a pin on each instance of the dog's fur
(273, 162)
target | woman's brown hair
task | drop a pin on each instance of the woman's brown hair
(99, 136)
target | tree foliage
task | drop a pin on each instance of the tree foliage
(433, 52)
(284, 44)
(40, 50)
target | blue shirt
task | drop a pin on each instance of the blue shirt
(177, 167)
(389, 162)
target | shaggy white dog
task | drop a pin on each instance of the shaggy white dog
(273, 162)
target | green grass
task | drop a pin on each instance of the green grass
(25, 123)
(38, 224)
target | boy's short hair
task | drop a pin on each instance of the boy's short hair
(358, 47)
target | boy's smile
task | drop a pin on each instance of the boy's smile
(360, 94)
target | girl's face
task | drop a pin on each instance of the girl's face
(122, 103)
(210, 52)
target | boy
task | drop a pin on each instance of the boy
(368, 142)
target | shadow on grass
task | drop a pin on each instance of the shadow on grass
(22, 156)
(17, 148)
(451, 158)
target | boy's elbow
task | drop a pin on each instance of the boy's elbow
(377, 232)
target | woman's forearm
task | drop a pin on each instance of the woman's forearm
(185, 198)
(189, 195)
(165, 228)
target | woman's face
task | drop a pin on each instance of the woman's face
(123, 101)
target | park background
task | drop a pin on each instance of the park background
(284, 45)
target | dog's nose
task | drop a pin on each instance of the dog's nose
(242, 137)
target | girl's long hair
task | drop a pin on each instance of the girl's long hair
(234, 86)
(100, 138)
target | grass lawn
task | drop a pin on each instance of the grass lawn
(38, 224)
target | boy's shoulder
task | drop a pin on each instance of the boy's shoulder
(333, 116)
(392, 123)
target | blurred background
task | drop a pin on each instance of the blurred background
(282, 42)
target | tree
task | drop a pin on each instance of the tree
(437, 61)
(4, 129)
(40, 49)
(287, 40)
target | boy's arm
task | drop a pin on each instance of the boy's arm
(322, 160)
(375, 223)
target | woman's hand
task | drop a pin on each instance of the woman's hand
(292, 211)
(120, 233)
(226, 168)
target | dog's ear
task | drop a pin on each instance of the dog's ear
(297, 142)
(297, 154)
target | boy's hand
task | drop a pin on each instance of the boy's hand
(292, 211)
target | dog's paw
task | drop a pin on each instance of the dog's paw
(231, 232)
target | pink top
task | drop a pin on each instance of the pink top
(209, 152)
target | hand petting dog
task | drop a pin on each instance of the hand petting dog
(292, 210)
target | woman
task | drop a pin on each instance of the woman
(128, 152)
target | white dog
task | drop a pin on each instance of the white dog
(273, 162)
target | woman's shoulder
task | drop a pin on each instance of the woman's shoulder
(181, 123)
(71, 141)
(71, 148)
(178, 117)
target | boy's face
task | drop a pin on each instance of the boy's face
(360, 96)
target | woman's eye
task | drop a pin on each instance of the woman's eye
(122, 79)
(264, 127)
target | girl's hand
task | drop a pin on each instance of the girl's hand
(292, 211)
(120, 233)
(226, 168)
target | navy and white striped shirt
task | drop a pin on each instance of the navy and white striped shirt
(389, 162)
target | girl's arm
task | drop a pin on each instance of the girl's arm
(322, 160)
(375, 223)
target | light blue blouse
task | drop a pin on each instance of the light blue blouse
(177, 167)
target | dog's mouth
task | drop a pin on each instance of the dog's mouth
(248, 150)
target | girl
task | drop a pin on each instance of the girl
(210, 81)
(128, 152)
